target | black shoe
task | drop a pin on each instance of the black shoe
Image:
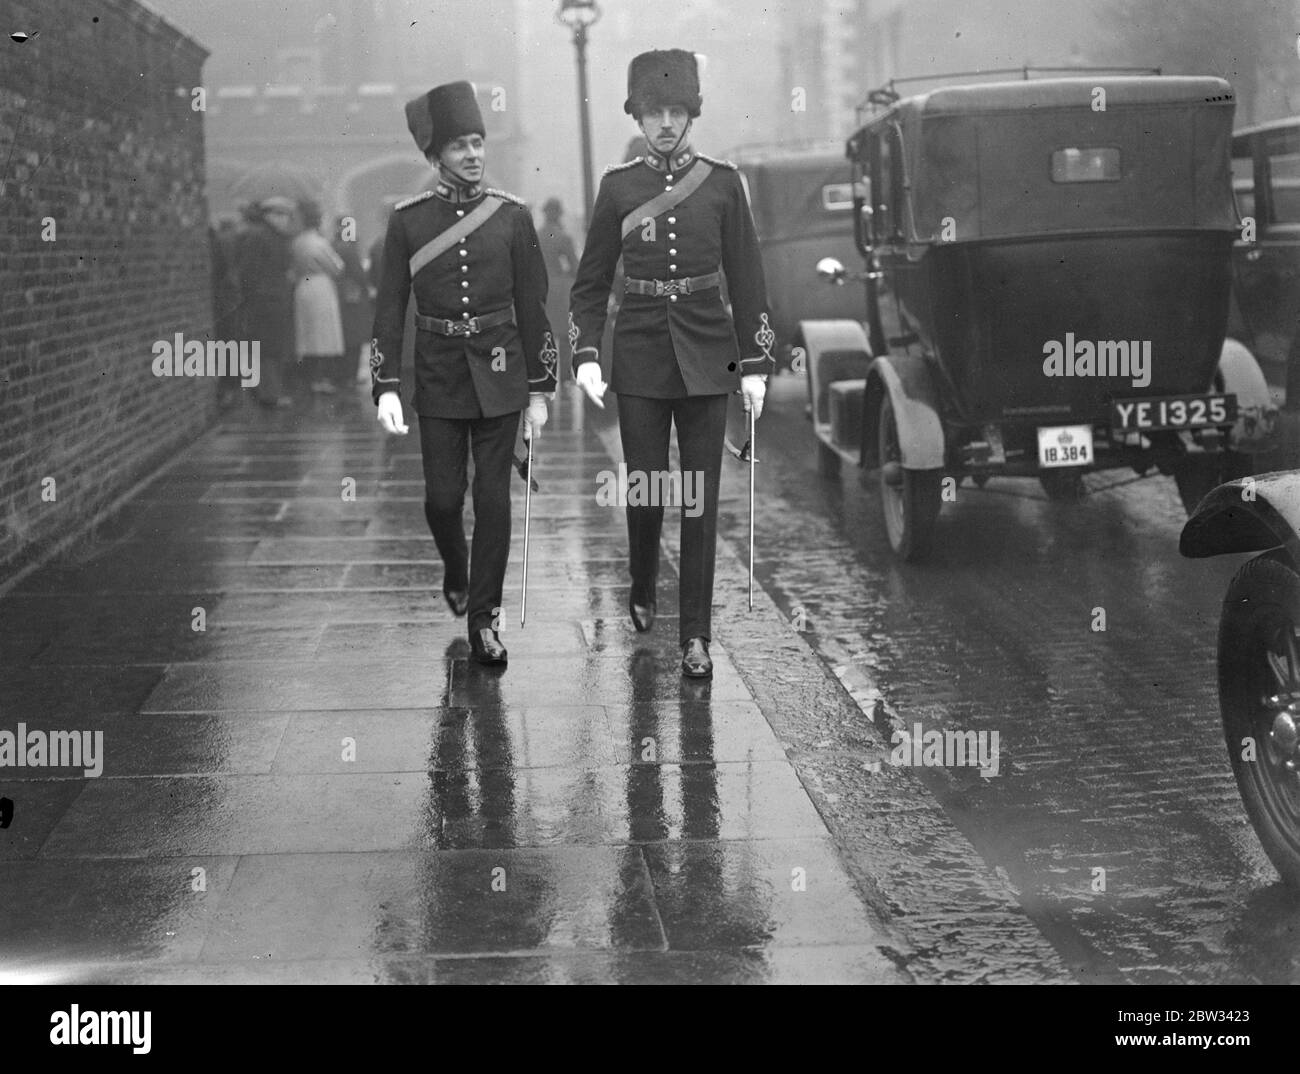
(696, 663)
(457, 599)
(643, 615)
(487, 647)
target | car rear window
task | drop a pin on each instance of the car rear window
(1094, 164)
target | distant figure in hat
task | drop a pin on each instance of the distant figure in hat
(483, 353)
(680, 221)
(557, 244)
(561, 259)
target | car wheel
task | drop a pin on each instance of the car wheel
(910, 499)
(1259, 698)
(828, 461)
(1195, 477)
(1063, 486)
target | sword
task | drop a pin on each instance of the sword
(528, 511)
(752, 460)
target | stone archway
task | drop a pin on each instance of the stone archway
(361, 190)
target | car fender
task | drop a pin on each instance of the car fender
(916, 412)
(1239, 372)
(842, 339)
(1251, 514)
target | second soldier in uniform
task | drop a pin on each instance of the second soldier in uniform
(483, 352)
(680, 221)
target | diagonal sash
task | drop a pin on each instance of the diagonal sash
(444, 241)
(661, 203)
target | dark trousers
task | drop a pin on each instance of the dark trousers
(644, 426)
(444, 444)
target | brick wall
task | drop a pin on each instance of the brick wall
(96, 132)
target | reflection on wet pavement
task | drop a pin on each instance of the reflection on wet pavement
(320, 785)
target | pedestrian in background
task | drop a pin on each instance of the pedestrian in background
(354, 302)
(678, 220)
(556, 242)
(227, 322)
(561, 260)
(264, 265)
(318, 322)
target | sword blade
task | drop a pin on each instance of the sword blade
(528, 513)
(752, 460)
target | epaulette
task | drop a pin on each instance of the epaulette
(408, 202)
(503, 195)
(715, 160)
(620, 167)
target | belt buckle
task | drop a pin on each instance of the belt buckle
(669, 287)
(463, 328)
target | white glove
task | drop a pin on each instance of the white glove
(535, 415)
(753, 387)
(390, 414)
(588, 377)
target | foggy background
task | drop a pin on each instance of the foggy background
(319, 85)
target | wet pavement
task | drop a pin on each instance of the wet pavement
(1113, 769)
(305, 778)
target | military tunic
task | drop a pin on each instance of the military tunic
(674, 345)
(497, 266)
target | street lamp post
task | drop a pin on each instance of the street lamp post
(578, 15)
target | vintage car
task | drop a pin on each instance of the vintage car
(1265, 312)
(1047, 276)
(802, 201)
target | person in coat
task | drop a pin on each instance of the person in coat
(483, 352)
(680, 221)
(354, 304)
(264, 266)
(318, 322)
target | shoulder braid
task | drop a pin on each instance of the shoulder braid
(408, 202)
(621, 167)
(504, 195)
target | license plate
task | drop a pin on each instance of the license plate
(1064, 445)
(1173, 412)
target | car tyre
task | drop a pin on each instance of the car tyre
(909, 499)
(828, 460)
(1259, 660)
(1196, 476)
(1063, 486)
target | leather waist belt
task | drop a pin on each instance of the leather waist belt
(471, 327)
(684, 286)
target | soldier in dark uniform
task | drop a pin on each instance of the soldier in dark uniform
(679, 220)
(484, 351)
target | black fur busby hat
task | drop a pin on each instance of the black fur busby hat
(663, 77)
(443, 114)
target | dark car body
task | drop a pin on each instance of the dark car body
(802, 203)
(1048, 271)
